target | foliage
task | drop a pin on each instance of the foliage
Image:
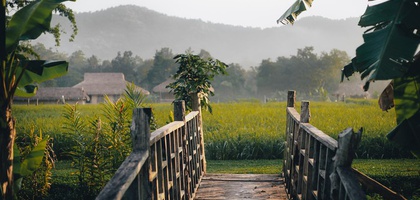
(304, 72)
(34, 160)
(390, 44)
(101, 145)
(193, 78)
(19, 74)
(291, 14)
(163, 67)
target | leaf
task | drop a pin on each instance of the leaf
(291, 14)
(406, 97)
(390, 42)
(407, 108)
(29, 22)
(37, 72)
(34, 159)
(407, 133)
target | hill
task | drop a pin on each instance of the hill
(143, 31)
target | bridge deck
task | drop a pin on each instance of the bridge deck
(241, 186)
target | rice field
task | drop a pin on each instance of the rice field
(249, 130)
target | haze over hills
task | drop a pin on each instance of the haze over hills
(143, 31)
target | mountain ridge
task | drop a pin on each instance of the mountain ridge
(140, 30)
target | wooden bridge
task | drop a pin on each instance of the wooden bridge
(170, 163)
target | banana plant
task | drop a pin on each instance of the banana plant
(388, 53)
(27, 165)
(19, 75)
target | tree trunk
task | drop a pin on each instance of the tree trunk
(7, 139)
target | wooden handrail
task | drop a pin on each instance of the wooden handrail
(168, 163)
(316, 166)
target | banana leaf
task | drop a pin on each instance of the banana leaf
(37, 71)
(407, 108)
(390, 42)
(291, 14)
(29, 164)
(29, 22)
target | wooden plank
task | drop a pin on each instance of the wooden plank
(124, 176)
(377, 187)
(241, 186)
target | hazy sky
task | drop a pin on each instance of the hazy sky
(252, 13)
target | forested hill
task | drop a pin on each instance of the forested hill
(142, 31)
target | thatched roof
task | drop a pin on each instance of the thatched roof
(105, 83)
(57, 93)
(161, 88)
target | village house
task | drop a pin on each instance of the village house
(164, 94)
(97, 85)
(55, 95)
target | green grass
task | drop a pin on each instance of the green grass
(244, 166)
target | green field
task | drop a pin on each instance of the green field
(238, 133)
(247, 130)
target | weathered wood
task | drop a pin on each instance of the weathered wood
(196, 106)
(179, 110)
(122, 179)
(140, 129)
(291, 98)
(343, 181)
(241, 186)
(319, 135)
(377, 187)
(126, 177)
(305, 113)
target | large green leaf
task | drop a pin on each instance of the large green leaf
(406, 97)
(407, 108)
(291, 14)
(34, 159)
(390, 42)
(29, 22)
(38, 71)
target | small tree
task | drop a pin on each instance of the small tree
(193, 78)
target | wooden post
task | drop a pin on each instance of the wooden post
(291, 98)
(141, 188)
(179, 115)
(196, 106)
(305, 113)
(347, 144)
(179, 110)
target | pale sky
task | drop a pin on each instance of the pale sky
(248, 13)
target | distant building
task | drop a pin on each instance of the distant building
(97, 85)
(164, 94)
(55, 95)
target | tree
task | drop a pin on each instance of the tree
(193, 78)
(18, 74)
(163, 67)
(126, 64)
(388, 53)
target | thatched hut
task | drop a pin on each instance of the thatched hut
(97, 85)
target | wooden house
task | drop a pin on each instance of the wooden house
(55, 95)
(97, 85)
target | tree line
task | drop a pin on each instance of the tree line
(307, 72)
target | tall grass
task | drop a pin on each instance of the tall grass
(248, 130)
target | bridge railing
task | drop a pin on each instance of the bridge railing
(165, 164)
(318, 167)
